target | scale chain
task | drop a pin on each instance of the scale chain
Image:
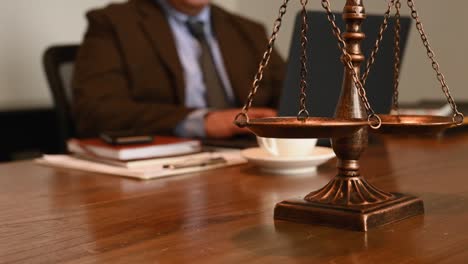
(347, 59)
(379, 39)
(457, 116)
(263, 64)
(397, 64)
(303, 113)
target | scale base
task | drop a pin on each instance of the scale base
(357, 217)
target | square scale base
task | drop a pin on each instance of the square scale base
(357, 217)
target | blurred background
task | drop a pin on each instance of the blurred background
(28, 27)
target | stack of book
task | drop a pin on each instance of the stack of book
(134, 155)
(164, 156)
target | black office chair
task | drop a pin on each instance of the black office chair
(58, 64)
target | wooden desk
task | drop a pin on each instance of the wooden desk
(226, 216)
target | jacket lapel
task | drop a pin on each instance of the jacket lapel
(155, 26)
(231, 45)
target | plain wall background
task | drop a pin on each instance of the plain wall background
(27, 27)
(444, 24)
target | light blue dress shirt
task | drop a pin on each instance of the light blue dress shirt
(189, 51)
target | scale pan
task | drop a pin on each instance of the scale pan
(413, 124)
(312, 127)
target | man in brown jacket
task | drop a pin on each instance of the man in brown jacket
(142, 66)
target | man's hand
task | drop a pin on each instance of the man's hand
(219, 124)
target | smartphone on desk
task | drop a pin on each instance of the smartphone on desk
(125, 137)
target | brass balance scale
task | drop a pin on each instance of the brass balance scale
(348, 200)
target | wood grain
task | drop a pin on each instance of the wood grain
(226, 216)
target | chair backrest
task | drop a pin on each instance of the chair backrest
(325, 69)
(58, 64)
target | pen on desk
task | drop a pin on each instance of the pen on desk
(197, 163)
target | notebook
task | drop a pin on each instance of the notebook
(158, 168)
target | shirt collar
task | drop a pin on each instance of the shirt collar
(204, 16)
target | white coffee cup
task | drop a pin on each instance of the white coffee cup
(288, 147)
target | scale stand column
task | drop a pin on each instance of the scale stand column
(348, 200)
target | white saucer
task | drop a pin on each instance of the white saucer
(288, 165)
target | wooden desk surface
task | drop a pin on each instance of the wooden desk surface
(226, 216)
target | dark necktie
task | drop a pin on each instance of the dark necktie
(215, 93)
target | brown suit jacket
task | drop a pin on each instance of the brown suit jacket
(128, 74)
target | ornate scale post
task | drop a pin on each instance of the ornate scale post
(349, 188)
(349, 149)
(348, 200)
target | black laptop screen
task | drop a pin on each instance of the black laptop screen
(326, 70)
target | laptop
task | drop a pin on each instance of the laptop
(325, 70)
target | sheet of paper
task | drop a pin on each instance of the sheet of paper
(232, 157)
